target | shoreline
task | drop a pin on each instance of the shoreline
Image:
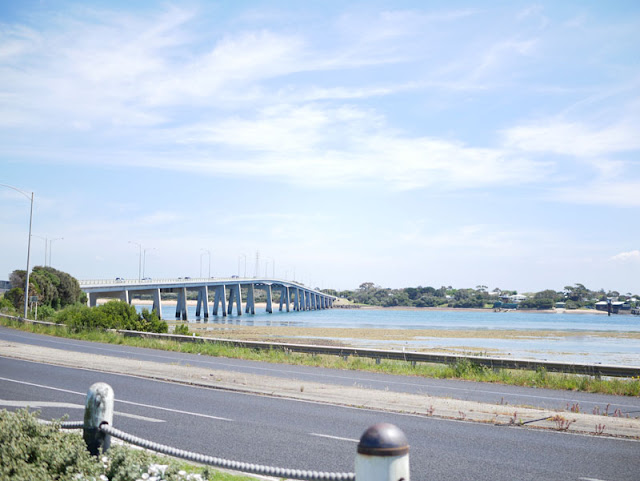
(192, 302)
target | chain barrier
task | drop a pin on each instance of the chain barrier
(225, 463)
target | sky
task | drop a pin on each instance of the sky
(332, 143)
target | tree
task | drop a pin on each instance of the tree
(54, 288)
(367, 286)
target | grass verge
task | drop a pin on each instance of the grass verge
(32, 450)
(462, 370)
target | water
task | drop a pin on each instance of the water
(593, 336)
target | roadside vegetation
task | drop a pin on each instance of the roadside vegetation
(464, 369)
(31, 450)
(61, 300)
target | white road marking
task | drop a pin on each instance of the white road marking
(50, 404)
(590, 479)
(217, 418)
(335, 437)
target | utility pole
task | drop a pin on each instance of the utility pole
(139, 259)
(26, 287)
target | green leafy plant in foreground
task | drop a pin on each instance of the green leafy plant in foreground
(30, 450)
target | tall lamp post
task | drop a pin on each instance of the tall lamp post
(144, 258)
(208, 252)
(50, 242)
(245, 264)
(26, 288)
(45, 246)
(139, 259)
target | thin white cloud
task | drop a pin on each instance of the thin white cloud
(348, 144)
(574, 138)
(631, 256)
(612, 193)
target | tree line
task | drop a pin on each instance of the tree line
(574, 297)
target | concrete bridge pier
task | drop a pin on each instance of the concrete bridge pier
(93, 299)
(267, 288)
(203, 302)
(296, 299)
(220, 298)
(250, 306)
(303, 303)
(157, 303)
(124, 296)
(181, 306)
(235, 296)
(284, 297)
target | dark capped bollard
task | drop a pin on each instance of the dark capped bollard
(98, 410)
(383, 454)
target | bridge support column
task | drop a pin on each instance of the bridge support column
(302, 300)
(307, 300)
(235, 296)
(181, 306)
(284, 297)
(269, 299)
(296, 299)
(203, 301)
(157, 303)
(220, 298)
(124, 296)
(250, 307)
(93, 299)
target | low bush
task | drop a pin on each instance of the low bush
(30, 450)
(112, 315)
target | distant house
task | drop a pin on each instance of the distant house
(616, 306)
(5, 286)
(517, 298)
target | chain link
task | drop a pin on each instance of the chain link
(228, 464)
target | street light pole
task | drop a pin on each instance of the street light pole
(139, 259)
(208, 252)
(50, 242)
(245, 264)
(144, 258)
(26, 288)
(45, 247)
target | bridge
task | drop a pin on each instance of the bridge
(227, 293)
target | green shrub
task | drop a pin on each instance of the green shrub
(112, 315)
(181, 329)
(30, 450)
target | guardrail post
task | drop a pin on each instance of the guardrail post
(383, 454)
(98, 410)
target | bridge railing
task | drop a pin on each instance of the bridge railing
(382, 453)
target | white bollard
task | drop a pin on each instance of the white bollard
(98, 410)
(383, 454)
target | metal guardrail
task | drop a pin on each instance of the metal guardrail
(382, 453)
(409, 356)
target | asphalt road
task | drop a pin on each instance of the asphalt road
(305, 435)
(466, 390)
